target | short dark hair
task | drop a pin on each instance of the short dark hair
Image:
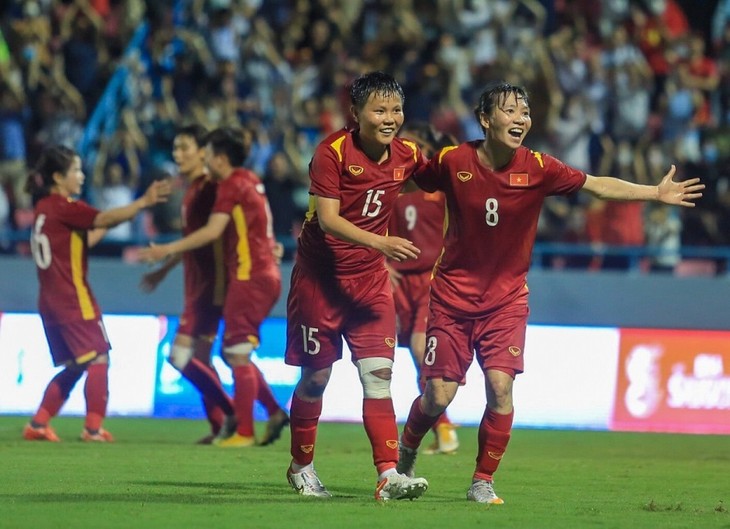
(430, 139)
(53, 159)
(495, 94)
(379, 83)
(195, 131)
(228, 141)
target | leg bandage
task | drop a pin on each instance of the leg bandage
(180, 356)
(238, 354)
(373, 386)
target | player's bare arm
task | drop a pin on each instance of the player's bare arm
(151, 280)
(157, 192)
(668, 191)
(217, 223)
(328, 213)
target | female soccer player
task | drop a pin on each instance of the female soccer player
(63, 230)
(494, 190)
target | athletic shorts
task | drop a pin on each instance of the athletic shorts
(200, 319)
(247, 305)
(411, 305)
(498, 340)
(321, 310)
(76, 342)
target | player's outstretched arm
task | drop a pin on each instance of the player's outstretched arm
(217, 223)
(157, 192)
(151, 280)
(668, 191)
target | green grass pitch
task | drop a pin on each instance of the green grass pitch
(154, 476)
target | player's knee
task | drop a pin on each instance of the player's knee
(238, 354)
(375, 374)
(180, 356)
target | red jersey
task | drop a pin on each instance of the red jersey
(419, 217)
(60, 247)
(491, 223)
(248, 240)
(204, 267)
(367, 192)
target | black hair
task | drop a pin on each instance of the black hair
(195, 131)
(54, 159)
(228, 141)
(495, 95)
(379, 83)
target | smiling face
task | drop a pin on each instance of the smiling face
(509, 121)
(69, 183)
(380, 118)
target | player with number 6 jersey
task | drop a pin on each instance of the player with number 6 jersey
(340, 286)
(63, 230)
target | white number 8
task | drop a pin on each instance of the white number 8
(492, 216)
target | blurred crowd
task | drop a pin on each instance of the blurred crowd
(619, 87)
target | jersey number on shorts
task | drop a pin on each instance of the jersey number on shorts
(430, 356)
(40, 246)
(310, 341)
(372, 202)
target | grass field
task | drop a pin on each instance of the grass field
(155, 477)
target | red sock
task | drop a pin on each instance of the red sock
(378, 418)
(443, 419)
(96, 392)
(494, 434)
(245, 387)
(56, 393)
(417, 425)
(214, 414)
(304, 417)
(265, 396)
(206, 380)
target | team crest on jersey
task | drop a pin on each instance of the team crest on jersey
(514, 350)
(392, 444)
(306, 448)
(519, 179)
(399, 173)
(464, 176)
(390, 342)
(356, 170)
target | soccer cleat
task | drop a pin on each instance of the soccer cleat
(235, 441)
(400, 487)
(448, 441)
(277, 422)
(40, 433)
(307, 483)
(406, 460)
(100, 436)
(432, 449)
(228, 428)
(482, 491)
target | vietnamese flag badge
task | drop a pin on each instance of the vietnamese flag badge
(519, 179)
(399, 173)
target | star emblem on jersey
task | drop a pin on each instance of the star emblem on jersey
(464, 176)
(306, 448)
(519, 179)
(399, 173)
(356, 170)
(390, 342)
(392, 444)
(514, 350)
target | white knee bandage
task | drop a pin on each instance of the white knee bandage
(240, 349)
(180, 356)
(374, 387)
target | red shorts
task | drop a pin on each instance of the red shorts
(76, 342)
(247, 305)
(411, 305)
(498, 340)
(200, 319)
(321, 310)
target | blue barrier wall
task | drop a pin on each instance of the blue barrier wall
(557, 297)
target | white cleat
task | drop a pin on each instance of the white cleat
(307, 483)
(400, 487)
